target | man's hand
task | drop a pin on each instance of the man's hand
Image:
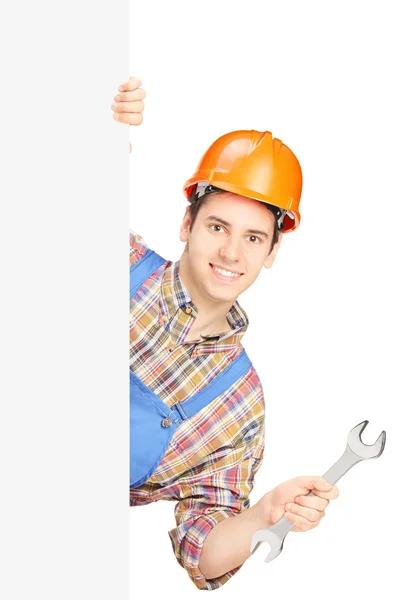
(219, 555)
(290, 499)
(128, 103)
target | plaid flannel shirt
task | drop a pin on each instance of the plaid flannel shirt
(210, 464)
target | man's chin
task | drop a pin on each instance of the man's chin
(222, 296)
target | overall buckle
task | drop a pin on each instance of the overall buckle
(168, 421)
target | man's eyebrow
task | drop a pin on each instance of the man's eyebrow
(214, 218)
(258, 232)
(252, 231)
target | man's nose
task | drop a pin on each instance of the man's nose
(231, 249)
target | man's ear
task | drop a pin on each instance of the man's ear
(269, 261)
(185, 227)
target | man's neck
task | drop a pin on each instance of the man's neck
(211, 315)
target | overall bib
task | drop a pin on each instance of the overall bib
(152, 422)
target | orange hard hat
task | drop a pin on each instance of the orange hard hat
(255, 165)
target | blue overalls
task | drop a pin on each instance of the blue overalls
(152, 422)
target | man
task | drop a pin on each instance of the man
(191, 379)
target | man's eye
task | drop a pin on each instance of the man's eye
(216, 228)
(254, 239)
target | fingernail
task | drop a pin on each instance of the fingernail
(288, 507)
(117, 98)
(116, 116)
(121, 88)
(113, 105)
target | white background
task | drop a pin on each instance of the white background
(324, 322)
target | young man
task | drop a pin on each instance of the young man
(190, 378)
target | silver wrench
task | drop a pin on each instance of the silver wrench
(355, 452)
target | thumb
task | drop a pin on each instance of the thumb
(307, 484)
(319, 483)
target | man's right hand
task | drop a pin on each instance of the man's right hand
(128, 103)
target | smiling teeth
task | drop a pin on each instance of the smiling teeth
(226, 273)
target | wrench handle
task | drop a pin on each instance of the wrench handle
(344, 464)
(341, 466)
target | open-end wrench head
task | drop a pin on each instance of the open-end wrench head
(362, 450)
(275, 543)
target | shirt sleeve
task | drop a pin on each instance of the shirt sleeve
(208, 501)
(138, 247)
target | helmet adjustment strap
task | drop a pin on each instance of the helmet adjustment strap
(203, 188)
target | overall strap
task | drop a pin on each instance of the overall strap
(141, 270)
(216, 387)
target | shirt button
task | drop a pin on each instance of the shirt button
(188, 310)
(164, 318)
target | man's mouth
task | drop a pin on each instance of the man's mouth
(225, 274)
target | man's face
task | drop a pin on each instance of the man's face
(229, 244)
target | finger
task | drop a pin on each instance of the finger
(310, 514)
(128, 107)
(138, 94)
(129, 86)
(312, 502)
(301, 523)
(128, 118)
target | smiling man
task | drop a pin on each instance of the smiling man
(229, 238)
(197, 406)
(228, 242)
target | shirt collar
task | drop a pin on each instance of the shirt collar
(174, 295)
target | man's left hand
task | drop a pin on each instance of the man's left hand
(290, 500)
